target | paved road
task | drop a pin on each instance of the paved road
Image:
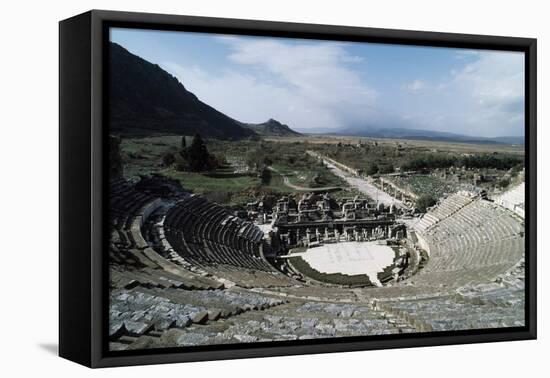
(364, 186)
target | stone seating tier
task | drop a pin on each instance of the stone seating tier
(178, 289)
(205, 233)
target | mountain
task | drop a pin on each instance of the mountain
(418, 134)
(145, 99)
(271, 128)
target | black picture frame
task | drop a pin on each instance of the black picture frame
(82, 139)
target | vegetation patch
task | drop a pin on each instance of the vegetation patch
(432, 161)
(236, 172)
(299, 264)
(424, 185)
(373, 157)
(386, 274)
(201, 183)
(424, 202)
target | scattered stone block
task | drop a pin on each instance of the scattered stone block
(144, 342)
(214, 314)
(137, 328)
(183, 321)
(164, 324)
(245, 338)
(189, 339)
(117, 346)
(116, 330)
(200, 317)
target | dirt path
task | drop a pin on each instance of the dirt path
(287, 182)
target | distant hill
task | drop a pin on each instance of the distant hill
(510, 140)
(418, 134)
(272, 128)
(145, 99)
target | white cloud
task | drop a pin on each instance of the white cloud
(312, 85)
(484, 97)
(493, 91)
(496, 78)
(415, 86)
(307, 85)
(248, 99)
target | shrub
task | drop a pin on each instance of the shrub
(504, 183)
(516, 169)
(385, 168)
(168, 159)
(425, 201)
(372, 169)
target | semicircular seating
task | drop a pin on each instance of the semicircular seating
(203, 232)
(470, 243)
(182, 268)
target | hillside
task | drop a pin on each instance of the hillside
(272, 128)
(145, 99)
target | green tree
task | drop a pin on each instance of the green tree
(372, 169)
(197, 157)
(516, 169)
(425, 201)
(265, 175)
(385, 168)
(504, 183)
(168, 159)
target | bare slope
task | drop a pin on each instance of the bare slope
(144, 99)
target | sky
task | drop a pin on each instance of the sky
(314, 85)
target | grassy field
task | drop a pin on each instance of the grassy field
(201, 183)
(420, 185)
(234, 181)
(382, 156)
(418, 145)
